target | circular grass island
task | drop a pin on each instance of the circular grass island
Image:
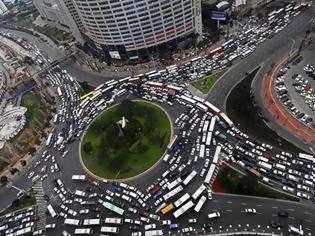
(125, 140)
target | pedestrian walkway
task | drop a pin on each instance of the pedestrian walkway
(196, 92)
(41, 205)
(277, 109)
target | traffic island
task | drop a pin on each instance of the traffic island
(125, 140)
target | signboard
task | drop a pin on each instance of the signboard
(114, 55)
(215, 15)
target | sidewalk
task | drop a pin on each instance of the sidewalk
(277, 109)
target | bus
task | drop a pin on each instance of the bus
(113, 208)
(167, 209)
(153, 232)
(181, 200)
(79, 177)
(51, 211)
(48, 141)
(100, 87)
(113, 220)
(173, 192)
(95, 221)
(25, 231)
(198, 191)
(183, 209)
(306, 157)
(86, 95)
(200, 203)
(189, 177)
(295, 230)
(69, 221)
(110, 230)
(83, 231)
(174, 183)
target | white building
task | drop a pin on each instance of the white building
(126, 29)
(3, 8)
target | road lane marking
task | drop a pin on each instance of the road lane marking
(290, 209)
(274, 207)
(228, 210)
(291, 217)
(229, 202)
(259, 205)
(308, 220)
(244, 203)
(307, 213)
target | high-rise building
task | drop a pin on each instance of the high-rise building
(131, 29)
(3, 8)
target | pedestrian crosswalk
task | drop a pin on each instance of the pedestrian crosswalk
(41, 205)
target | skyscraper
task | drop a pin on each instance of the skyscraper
(130, 29)
(3, 8)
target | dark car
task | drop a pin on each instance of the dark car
(134, 228)
(283, 213)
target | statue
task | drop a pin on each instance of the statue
(121, 125)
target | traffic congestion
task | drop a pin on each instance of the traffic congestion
(204, 138)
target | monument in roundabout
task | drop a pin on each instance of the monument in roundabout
(125, 140)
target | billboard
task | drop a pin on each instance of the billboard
(216, 15)
(114, 55)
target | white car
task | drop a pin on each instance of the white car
(30, 175)
(165, 222)
(187, 230)
(192, 220)
(250, 210)
(84, 211)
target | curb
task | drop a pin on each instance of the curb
(134, 177)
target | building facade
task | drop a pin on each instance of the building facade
(3, 8)
(129, 29)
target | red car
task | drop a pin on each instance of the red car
(35, 218)
(143, 213)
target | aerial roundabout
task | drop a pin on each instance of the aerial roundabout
(125, 140)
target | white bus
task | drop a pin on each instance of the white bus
(199, 191)
(116, 221)
(306, 157)
(95, 221)
(153, 233)
(296, 230)
(69, 221)
(173, 193)
(264, 165)
(59, 91)
(183, 209)
(52, 211)
(181, 200)
(110, 230)
(208, 140)
(79, 177)
(200, 203)
(83, 231)
(189, 177)
(174, 183)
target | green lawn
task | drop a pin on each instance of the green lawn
(27, 200)
(34, 114)
(144, 141)
(206, 83)
(55, 33)
(235, 183)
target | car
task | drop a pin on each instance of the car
(192, 220)
(84, 211)
(30, 175)
(283, 213)
(250, 210)
(187, 230)
(50, 226)
(173, 226)
(65, 233)
(165, 222)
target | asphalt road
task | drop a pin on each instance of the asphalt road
(267, 53)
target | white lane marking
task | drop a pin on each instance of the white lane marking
(308, 220)
(244, 203)
(274, 207)
(228, 210)
(291, 217)
(229, 202)
(259, 205)
(307, 213)
(291, 210)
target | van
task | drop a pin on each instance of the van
(214, 215)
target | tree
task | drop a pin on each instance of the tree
(31, 151)
(87, 147)
(15, 202)
(23, 162)
(3, 179)
(13, 171)
(85, 86)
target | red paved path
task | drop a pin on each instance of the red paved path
(278, 110)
